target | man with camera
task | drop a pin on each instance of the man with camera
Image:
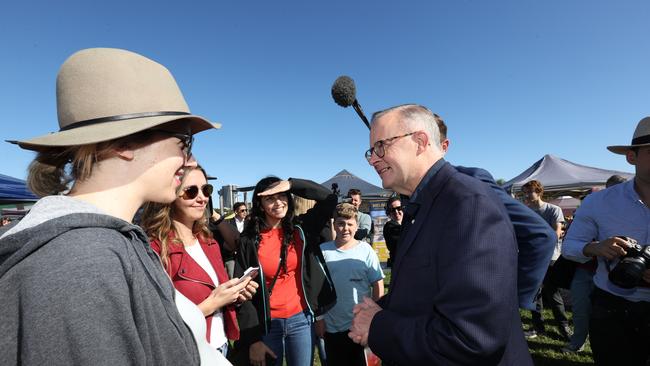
(613, 225)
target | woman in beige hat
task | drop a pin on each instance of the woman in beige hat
(79, 282)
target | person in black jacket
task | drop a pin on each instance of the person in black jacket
(393, 228)
(295, 285)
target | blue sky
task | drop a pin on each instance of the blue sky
(514, 80)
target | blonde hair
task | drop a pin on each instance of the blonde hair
(54, 168)
(345, 211)
(157, 221)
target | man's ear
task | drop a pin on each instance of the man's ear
(422, 140)
(444, 146)
(630, 155)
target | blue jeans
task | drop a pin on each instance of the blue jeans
(292, 338)
(581, 289)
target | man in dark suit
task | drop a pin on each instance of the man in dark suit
(453, 297)
(535, 239)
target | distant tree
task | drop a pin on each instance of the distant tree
(501, 181)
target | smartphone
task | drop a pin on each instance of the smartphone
(251, 272)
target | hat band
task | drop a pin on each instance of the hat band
(120, 117)
(641, 140)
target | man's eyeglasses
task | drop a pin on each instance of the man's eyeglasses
(379, 148)
(186, 139)
(190, 193)
(242, 210)
(395, 209)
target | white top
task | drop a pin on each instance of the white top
(240, 224)
(193, 318)
(217, 331)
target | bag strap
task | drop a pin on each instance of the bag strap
(275, 278)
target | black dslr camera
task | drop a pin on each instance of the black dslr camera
(629, 271)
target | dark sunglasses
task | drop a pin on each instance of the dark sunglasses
(186, 139)
(243, 210)
(394, 209)
(190, 193)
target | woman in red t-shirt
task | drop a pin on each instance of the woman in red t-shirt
(295, 285)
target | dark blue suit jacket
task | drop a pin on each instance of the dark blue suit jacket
(535, 239)
(453, 296)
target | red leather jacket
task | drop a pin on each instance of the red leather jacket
(193, 282)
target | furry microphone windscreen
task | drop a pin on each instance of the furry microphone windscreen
(344, 92)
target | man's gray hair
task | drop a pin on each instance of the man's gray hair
(415, 117)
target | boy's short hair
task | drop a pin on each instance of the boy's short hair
(345, 211)
(354, 192)
(534, 185)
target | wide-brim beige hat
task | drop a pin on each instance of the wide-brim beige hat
(107, 93)
(640, 138)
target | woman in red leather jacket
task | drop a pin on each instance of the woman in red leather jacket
(179, 234)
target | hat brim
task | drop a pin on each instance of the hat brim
(623, 149)
(110, 130)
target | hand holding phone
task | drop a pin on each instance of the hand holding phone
(251, 272)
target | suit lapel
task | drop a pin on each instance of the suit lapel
(425, 198)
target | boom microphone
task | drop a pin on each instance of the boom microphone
(344, 93)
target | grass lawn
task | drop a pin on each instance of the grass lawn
(547, 349)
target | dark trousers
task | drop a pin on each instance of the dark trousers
(549, 295)
(341, 351)
(619, 330)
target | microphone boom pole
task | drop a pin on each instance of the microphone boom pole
(359, 111)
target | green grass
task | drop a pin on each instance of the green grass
(547, 349)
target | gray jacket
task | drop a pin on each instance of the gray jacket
(83, 288)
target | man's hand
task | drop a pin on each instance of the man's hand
(609, 248)
(277, 187)
(257, 353)
(363, 314)
(319, 328)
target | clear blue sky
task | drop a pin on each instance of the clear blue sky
(514, 80)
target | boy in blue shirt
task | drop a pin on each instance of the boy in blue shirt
(354, 269)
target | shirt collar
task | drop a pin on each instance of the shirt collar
(629, 190)
(413, 205)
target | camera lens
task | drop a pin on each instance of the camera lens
(628, 272)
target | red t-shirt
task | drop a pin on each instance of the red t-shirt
(287, 298)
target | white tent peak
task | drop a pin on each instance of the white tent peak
(346, 180)
(561, 175)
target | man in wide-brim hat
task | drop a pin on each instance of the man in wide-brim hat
(620, 315)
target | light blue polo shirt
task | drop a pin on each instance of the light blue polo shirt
(353, 272)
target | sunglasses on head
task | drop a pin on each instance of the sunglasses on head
(190, 193)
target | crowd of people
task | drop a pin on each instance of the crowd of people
(133, 268)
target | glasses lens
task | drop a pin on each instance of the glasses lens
(379, 149)
(207, 190)
(368, 154)
(398, 208)
(243, 210)
(190, 193)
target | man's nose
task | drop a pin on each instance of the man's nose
(191, 162)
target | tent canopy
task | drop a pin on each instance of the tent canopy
(346, 180)
(562, 177)
(14, 190)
